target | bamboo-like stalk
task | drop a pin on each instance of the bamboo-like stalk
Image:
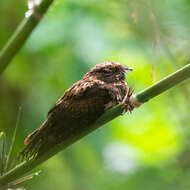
(22, 33)
(164, 84)
(141, 97)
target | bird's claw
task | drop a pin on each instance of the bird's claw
(127, 105)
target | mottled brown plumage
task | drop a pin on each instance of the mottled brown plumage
(101, 88)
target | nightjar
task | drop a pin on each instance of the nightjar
(101, 88)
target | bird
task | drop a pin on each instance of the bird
(100, 89)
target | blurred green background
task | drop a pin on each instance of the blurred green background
(145, 150)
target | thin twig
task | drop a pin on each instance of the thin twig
(156, 37)
(3, 154)
(13, 140)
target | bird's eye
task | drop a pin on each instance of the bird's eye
(107, 71)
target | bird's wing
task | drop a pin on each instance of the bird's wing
(82, 95)
(72, 113)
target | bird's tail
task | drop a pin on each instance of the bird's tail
(33, 143)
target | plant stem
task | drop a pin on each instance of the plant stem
(22, 33)
(164, 84)
(8, 162)
(109, 115)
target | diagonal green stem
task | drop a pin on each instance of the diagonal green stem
(22, 33)
(164, 84)
(143, 96)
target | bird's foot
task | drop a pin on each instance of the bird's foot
(128, 106)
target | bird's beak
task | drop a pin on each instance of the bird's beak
(128, 69)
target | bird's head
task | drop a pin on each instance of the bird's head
(108, 72)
